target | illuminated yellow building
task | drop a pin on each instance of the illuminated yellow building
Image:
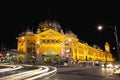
(50, 43)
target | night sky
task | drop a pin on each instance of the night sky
(81, 18)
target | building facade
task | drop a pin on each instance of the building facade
(50, 43)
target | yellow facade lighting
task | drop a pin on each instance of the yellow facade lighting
(38, 42)
(70, 40)
(23, 38)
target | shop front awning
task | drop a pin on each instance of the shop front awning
(50, 53)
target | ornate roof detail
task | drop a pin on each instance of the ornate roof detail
(27, 32)
(61, 31)
(70, 33)
(38, 30)
(49, 24)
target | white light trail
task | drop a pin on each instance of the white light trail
(23, 75)
(44, 74)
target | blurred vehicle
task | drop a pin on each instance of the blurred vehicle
(117, 71)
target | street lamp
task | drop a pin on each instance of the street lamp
(116, 37)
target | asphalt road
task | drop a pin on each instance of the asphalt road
(83, 73)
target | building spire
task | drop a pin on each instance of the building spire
(32, 28)
(50, 15)
(69, 30)
(28, 29)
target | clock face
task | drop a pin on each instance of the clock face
(50, 24)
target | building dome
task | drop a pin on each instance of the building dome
(49, 24)
(70, 33)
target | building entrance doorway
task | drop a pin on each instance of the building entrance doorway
(50, 56)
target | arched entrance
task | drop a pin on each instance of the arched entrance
(30, 51)
(50, 56)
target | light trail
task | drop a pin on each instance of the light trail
(44, 74)
(12, 67)
(23, 75)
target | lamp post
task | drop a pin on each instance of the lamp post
(116, 38)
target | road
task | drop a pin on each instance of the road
(26, 73)
(83, 73)
(30, 72)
